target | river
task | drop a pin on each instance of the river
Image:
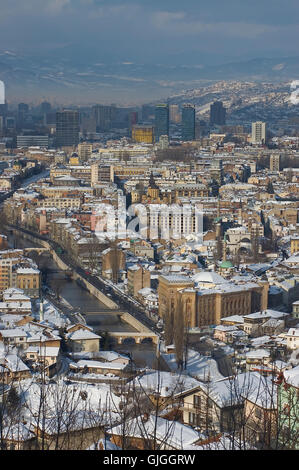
(144, 355)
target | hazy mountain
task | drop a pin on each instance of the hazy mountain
(84, 79)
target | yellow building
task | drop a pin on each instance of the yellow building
(138, 278)
(207, 297)
(143, 134)
(294, 245)
(28, 279)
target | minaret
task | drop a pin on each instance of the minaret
(41, 311)
(224, 248)
(240, 213)
(218, 208)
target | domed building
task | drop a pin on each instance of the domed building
(207, 279)
(226, 267)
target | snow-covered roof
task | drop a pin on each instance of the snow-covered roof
(258, 354)
(209, 277)
(176, 434)
(13, 333)
(292, 376)
(99, 365)
(82, 334)
(49, 351)
(166, 383)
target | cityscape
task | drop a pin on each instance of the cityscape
(149, 255)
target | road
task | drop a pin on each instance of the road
(224, 362)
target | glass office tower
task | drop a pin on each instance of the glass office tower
(188, 122)
(161, 120)
(67, 128)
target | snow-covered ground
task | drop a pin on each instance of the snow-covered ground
(198, 366)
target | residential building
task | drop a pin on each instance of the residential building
(258, 133)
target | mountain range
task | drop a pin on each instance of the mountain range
(83, 81)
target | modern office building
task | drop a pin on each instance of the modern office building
(25, 141)
(23, 111)
(67, 128)
(143, 133)
(217, 114)
(258, 133)
(188, 122)
(147, 112)
(104, 117)
(45, 107)
(174, 113)
(133, 118)
(3, 104)
(161, 120)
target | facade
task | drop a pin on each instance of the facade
(294, 245)
(138, 278)
(143, 133)
(258, 133)
(104, 116)
(188, 122)
(275, 162)
(206, 303)
(24, 141)
(84, 151)
(67, 128)
(207, 410)
(28, 279)
(161, 121)
(217, 114)
(83, 340)
(174, 113)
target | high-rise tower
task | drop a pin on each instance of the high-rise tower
(67, 128)
(188, 122)
(161, 120)
(217, 114)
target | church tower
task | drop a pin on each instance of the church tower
(153, 190)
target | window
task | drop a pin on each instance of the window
(209, 403)
(196, 401)
(258, 413)
(193, 419)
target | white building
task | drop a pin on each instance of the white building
(258, 133)
(292, 337)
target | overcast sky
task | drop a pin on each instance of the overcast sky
(151, 31)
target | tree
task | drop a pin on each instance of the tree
(214, 188)
(180, 334)
(114, 262)
(93, 251)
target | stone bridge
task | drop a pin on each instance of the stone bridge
(39, 251)
(137, 337)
